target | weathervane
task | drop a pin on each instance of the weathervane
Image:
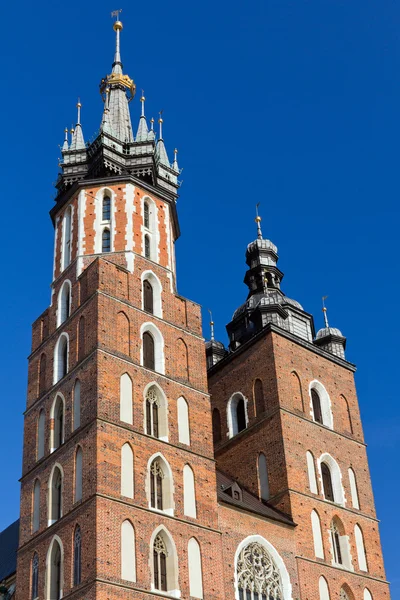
(324, 310)
(115, 13)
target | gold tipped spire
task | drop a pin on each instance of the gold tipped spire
(211, 325)
(160, 121)
(117, 25)
(324, 310)
(258, 221)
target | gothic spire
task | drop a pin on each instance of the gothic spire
(161, 150)
(77, 142)
(65, 144)
(121, 91)
(143, 130)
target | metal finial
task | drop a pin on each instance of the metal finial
(66, 134)
(211, 325)
(151, 124)
(142, 100)
(324, 310)
(117, 25)
(160, 121)
(258, 221)
(78, 106)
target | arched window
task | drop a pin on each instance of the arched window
(160, 475)
(42, 374)
(146, 215)
(106, 208)
(156, 423)
(160, 564)
(183, 421)
(128, 559)
(258, 397)
(147, 251)
(335, 537)
(152, 350)
(127, 471)
(361, 557)
(195, 569)
(81, 339)
(237, 420)
(35, 577)
(77, 556)
(57, 414)
(367, 594)
(327, 482)
(189, 494)
(316, 404)
(312, 480)
(323, 589)
(36, 506)
(55, 571)
(148, 304)
(216, 426)
(297, 393)
(263, 476)
(320, 404)
(148, 351)
(346, 593)
(317, 535)
(78, 474)
(353, 489)
(77, 405)
(67, 222)
(40, 434)
(55, 495)
(346, 416)
(181, 356)
(340, 544)
(165, 564)
(123, 333)
(125, 399)
(258, 575)
(64, 303)
(106, 240)
(61, 352)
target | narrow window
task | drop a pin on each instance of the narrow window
(55, 496)
(312, 479)
(353, 489)
(323, 589)
(263, 477)
(125, 399)
(147, 246)
(216, 425)
(67, 238)
(152, 412)
(147, 296)
(105, 240)
(317, 534)
(241, 416)
(189, 494)
(64, 303)
(55, 576)
(40, 434)
(160, 564)
(77, 556)
(156, 485)
(128, 566)
(61, 358)
(35, 577)
(58, 430)
(42, 374)
(183, 421)
(367, 594)
(77, 405)
(36, 506)
(78, 474)
(258, 397)
(327, 482)
(316, 404)
(106, 208)
(146, 213)
(362, 560)
(81, 339)
(335, 537)
(148, 351)
(195, 570)
(127, 471)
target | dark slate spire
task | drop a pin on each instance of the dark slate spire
(330, 339)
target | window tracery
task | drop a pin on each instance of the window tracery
(160, 564)
(257, 574)
(152, 408)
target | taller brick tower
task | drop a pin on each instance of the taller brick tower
(118, 473)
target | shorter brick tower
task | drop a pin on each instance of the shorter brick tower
(287, 426)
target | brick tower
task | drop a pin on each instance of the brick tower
(287, 426)
(118, 483)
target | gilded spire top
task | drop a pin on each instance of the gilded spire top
(258, 221)
(324, 310)
(211, 325)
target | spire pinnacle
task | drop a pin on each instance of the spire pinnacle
(258, 221)
(79, 106)
(175, 163)
(65, 144)
(211, 325)
(142, 100)
(324, 310)
(117, 28)
(160, 121)
(152, 124)
(143, 131)
(77, 142)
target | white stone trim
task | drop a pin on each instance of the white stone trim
(99, 225)
(232, 417)
(162, 414)
(56, 363)
(159, 356)
(56, 227)
(52, 411)
(336, 476)
(312, 478)
(48, 569)
(66, 283)
(171, 548)
(157, 292)
(353, 489)
(50, 495)
(317, 535)
(81, 242)
(153, 231)
(168, 491)
(326, 405)
(286, 585)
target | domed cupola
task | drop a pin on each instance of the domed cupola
(266, 303)
(215, 351)
(329, 338)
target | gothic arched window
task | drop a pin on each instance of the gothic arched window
(258, 577)
(55, 571)
(35, 576)
(335, 537)
(77, 556)
(152, 410)
(148, 351)
(146, 215)
(58, 423)
(55, 505)
(106, 208)
(327, 482)
(241, 415)
(106, 240)
(40, 434)
(36, 506)
(316, 404)
(148, 304)
(67, 237)
(156, 486)
(61, 358)
(64, 303)
(160, 564)
(147, 246)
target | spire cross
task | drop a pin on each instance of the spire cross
(258, 221)
(211, 325)
(324, 310)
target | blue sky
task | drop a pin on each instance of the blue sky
(293, 104)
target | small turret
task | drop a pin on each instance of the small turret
(215, 351)
(143, 131)
(330, 339)
(77, 142)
